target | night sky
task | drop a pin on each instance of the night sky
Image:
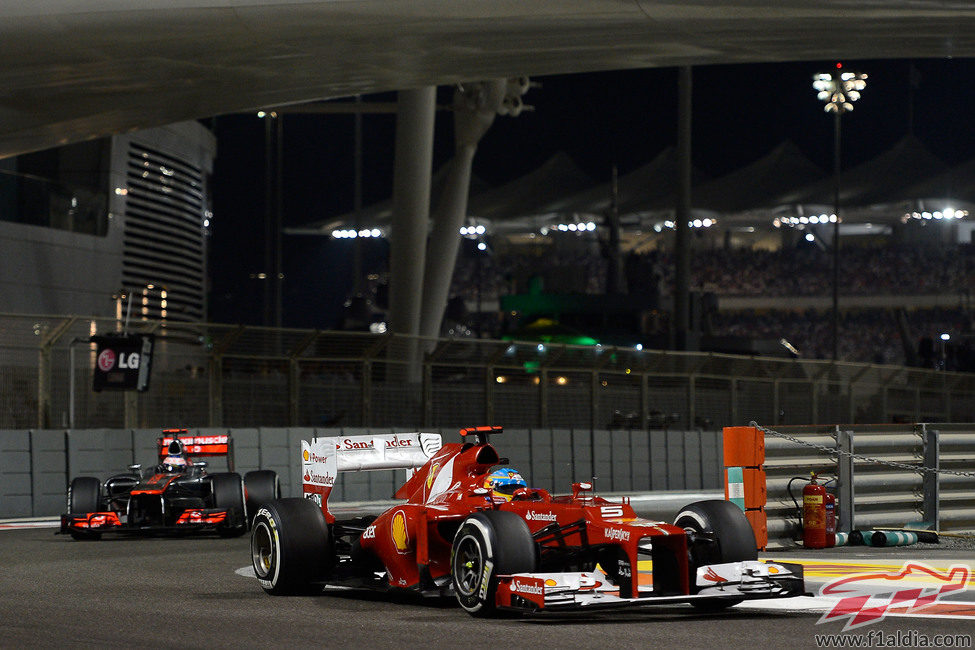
(622, 118)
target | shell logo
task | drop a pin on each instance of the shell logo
(433, 473)
(550, 583)
(304, 454)
(399, 533)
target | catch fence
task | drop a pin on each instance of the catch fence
(213, 375)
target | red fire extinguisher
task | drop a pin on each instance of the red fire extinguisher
(830, 520)
(814, 515)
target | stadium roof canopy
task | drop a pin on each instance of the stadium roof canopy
(71, 71)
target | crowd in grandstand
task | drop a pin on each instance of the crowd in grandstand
(802, 271)
(808, 270)
(866, 334)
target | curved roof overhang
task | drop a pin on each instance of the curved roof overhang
(71, 71)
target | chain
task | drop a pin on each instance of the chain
(832, 451)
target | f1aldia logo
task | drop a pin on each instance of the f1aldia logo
(866, 598)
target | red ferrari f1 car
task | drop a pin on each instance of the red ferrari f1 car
(175, 495)
(483, 535)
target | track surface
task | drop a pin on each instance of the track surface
(193, 592)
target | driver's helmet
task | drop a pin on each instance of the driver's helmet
(174, 463)
(503, 482)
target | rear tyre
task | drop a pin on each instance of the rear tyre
(261, 486)
(486, 545)
(726, 536)
(228, 492)
(291, 548)
(84, 496)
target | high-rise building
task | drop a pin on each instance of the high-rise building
(83, 225)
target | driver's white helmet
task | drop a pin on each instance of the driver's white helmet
(172, 464)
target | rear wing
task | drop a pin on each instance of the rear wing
(323, 458)
(212, 445)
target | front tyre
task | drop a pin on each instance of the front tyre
(718, 532)
(488, 544)
(261, 486)
(291, 549)
(228, 492)
(84, 496)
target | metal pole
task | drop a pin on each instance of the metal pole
(615, 282)
(278, 222)
(268, 220)
(681, 323)
(71, 385)
(846, 497)
(930, 484)
(357, 284)
(836, 236)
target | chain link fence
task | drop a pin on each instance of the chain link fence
(239, 376)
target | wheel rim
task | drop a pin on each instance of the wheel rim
(262, 550)
(468, 565)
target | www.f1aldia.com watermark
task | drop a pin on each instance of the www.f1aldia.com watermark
(868, 597)
(894, 639)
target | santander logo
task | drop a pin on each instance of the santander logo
(535, 589)
(395, 442)
(318, 479)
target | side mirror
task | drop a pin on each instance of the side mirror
(579, 488)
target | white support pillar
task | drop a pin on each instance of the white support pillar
(411, 206)
(411, 212)
(475, 107)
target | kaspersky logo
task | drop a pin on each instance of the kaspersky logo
(867, 598)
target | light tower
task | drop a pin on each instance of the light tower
(839, 88)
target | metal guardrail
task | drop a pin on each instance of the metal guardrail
(882, 475)
(237, 376)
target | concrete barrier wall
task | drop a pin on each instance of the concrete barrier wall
(37, 465)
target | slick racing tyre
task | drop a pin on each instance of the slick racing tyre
(261, 486)
(726, 537)
(228, 492)
(291, 548)
(487, 545)
(83, 497)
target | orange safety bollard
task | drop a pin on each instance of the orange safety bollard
(759, 522)
(745, 481)
(743, 447)
(745, 486)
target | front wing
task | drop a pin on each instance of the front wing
(191, 519)
(534, 592)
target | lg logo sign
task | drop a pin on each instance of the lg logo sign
(122, 362)
(106, 360)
